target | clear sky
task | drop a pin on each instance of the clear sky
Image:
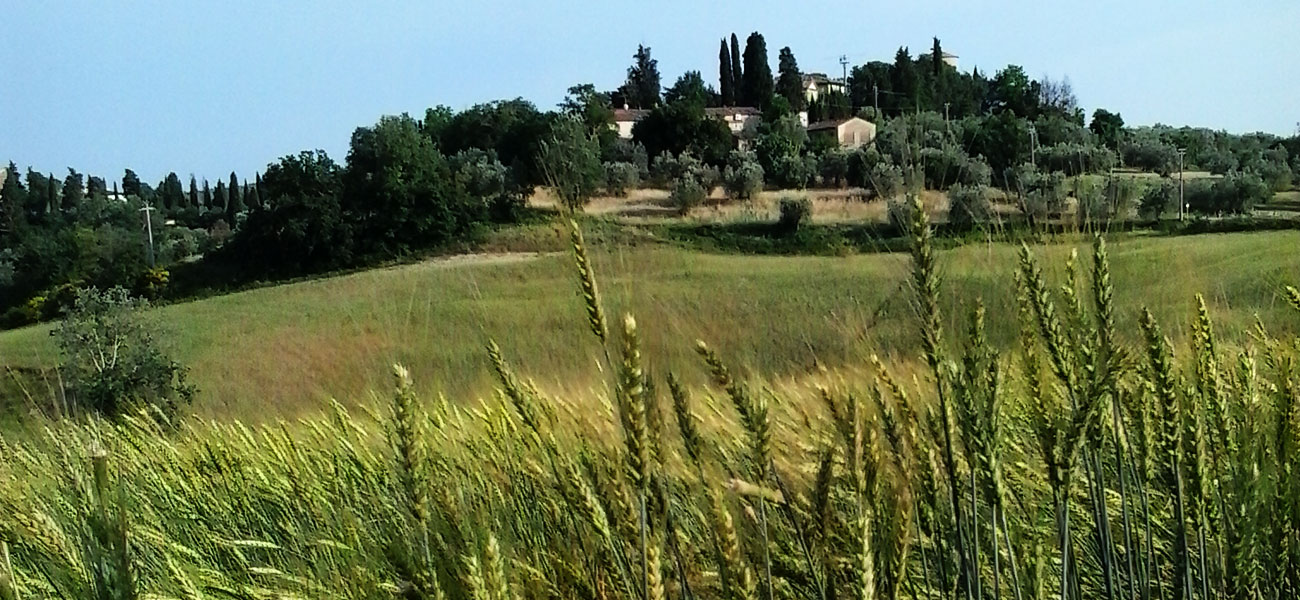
(208, 87)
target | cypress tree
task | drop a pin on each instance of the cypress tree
(261, 201)
(738, 75)
(194, 192)
(72, 191)
(252, 196)
(725, 81)
(790, 84)
(207, 195)
(131, 184)
(758, 73)
(96, 188)
(51, 194)
(235, 202)
(222, 200)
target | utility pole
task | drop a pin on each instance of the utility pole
(148, 224)
(844, 68)
(945, 113)
(1033, 146)
(875, 98)
(1181, 153)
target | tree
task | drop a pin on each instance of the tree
(726, 82)
(112, 360)
(790, 82)
(52, 194)
(1012, 90)
(253, 197)
(207, 195)
(235, 202)
(642, 87)
(72, 191)
(589, 106)
(689, 88)
(905, 81)
(173, 195)
(1057, 97)
(571, 161)
(514, 129)
(737, 73)
(131, 184)
(96, 188)
(1108, 126)
(683, 127)
(757, 79)
(221, 199)
(936, 60)
(13, 201)
(194, 192)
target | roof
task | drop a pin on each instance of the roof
(828, 124)
(834, 123)
(624, 115)
(949, 55)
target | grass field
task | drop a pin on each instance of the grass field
(280, 351)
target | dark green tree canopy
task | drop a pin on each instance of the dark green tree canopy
(737, 72)
(726, 83)
(690, 88)
(72, 191)
(757, 78)
(1107, 125)
(643, 83)
(789, 83)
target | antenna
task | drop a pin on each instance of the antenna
(844, 67)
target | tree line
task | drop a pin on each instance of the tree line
(410, 184)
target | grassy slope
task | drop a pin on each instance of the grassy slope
(279, 350)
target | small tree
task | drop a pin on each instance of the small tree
(795, 212)
(113, 362)
(687, 194)
(621, 177)
(570, 161)
(968, 205)
(743, 176)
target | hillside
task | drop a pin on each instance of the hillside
(278, 351)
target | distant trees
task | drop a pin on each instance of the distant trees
(131, 184)
(737, 72)
(690, 88)
(194, 193)
(757, 77)
(1107, 126)
(72, 191)
(683, 127)
(235, 200)
(643, 84)
(171, 193)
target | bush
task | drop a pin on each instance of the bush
(833, 167)
(620, 177)
(1149, 154)
(860, 164)
(1157, 200)
(1236, 193)
(111, 360)
(1076, 159)
(795, 212)
(886, 180)
(1039, 195)
(950, 165)
(743, 177)
(570, 161)
(687, 194)
(968, 205)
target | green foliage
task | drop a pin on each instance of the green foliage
(861, 161)
(969, 205)
(687, 194)
(1149, 153)
(795, 212)
(1076, 159)
(628, 151)
(885, 180)
(726, 82)
(949, 165)
(1038, 195)
(683, 127)
(570, 160)
(691, 89)
(1235, 193)
(621, 177)
(779, 145)
(513, 129)
(642, 87)
(833, 167)
(1107, 126)
(1157, 200)
(112, 362)
(789, 83)
(72, 191)
(743, 176)
(756, 82)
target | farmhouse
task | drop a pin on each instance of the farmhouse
(817, 84)
(853, 132)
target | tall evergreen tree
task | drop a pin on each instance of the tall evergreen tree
(96, 188)
(789, 83)
(51, 194)
(221, 201)
(642, 87)
(173, 194)
(38, 190)
(131, 184)
(207, 195)
(726, 83)
(904, 80)
(936, 59)
(737, 74)
(194, 192)
(13, 201)
(257, 188)
(758, 73)
(235, 203)
(72, 191)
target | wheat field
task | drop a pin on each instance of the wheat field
(1081, 463)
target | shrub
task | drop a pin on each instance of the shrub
(860, 164)
(1157, 200)
(1235, 193)
(743, 177)
(833, 167)
(968, 205)
(886, 180)
(795, 212)
(112, 360)
(570, 161)
(1076, 159)
(687, 194)
(1149, 154)
(620, 177)
(1038, 194)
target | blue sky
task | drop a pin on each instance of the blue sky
(206, 87)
